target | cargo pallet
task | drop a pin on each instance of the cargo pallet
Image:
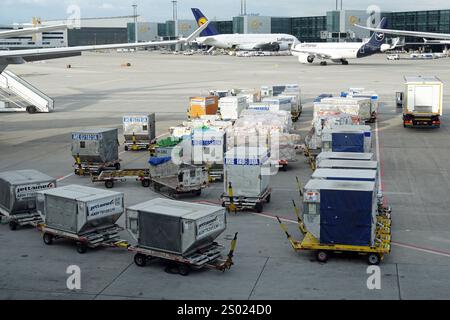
(107, 237)
(111, 177)
(172, 185)
(209, 258)
(87, 168)
(235, 203)
(21, 219)
(375, 254)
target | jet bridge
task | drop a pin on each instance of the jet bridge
(17, 95)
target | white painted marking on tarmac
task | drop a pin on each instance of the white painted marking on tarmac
(431, 251)
(65, 177)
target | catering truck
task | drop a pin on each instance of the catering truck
(422, 104)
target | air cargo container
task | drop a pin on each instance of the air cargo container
(345, 156)
(341, 212)
(345, 175)
(296, 104)
(18, 195)
(200, 106)
(366, 94)
(95, 149)
(230, 108)
(347, 139)
(423, 102)
(139, 131)
(348, 164)
(280, 103)
(174, 226)
(247, 177)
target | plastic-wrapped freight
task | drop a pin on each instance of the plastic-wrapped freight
(367, 94)
(230, 108)
(247, 170)
(341, 212)
(142, 126)
(79, 209)
(347, 139)
(283, 146)
(96, 145)
(174, 226)
(163, 167)
(359, 107)
(18, 190)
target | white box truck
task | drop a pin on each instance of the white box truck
(422, 105)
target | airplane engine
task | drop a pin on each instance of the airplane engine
(305, 58)
(284, 47)
(385, 47)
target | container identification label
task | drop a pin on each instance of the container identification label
(136, 119)
(86, 137)
(208, 225)
(29, 191)
(103, 208)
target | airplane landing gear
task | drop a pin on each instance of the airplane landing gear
(323, 63)
(344, 62)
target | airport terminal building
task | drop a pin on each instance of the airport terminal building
(337, 25)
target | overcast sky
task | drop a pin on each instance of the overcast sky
(161, 10)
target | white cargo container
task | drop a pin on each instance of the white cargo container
(345, 156)
(79, 210)
(139, 130)
(174, 226)
(423, 102)
(230, 108)
(347, 139)
(345, 175)
(208, 146)
(279, 103)
(348, 164)
(248, 171)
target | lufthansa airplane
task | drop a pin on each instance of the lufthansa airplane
(248, 42)
(27, 31)
(341, 52)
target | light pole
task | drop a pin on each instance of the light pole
(135, 23)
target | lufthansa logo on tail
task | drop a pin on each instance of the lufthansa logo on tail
(380, 36)
(202, 21)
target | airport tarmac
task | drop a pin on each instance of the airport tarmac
(97, 91)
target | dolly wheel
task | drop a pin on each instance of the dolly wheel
(117, 166)
(48, 239)
(140, 260)
(13, 225)
(109, 184)
(259, 207)
(284, 168)
(146, 183)
(198, 193)
(268, 198)
(81, 248)
(374, 259)
(184, 270)
(322, 256)
(126, 148)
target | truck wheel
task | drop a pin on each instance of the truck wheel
(374, 259)
(109, 184)
(140, 260)
(81, 248)
(126, 148)
(13, 225)
(117, 166)
(48, 239)
(184, 270)
(284, 168)
(31, 109)
(198, 193)
(322, 256)
(259, 207)
(146, 183)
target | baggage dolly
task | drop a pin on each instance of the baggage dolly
(173, 186)
(234, 203)
(106, 237)
(20, 220)
(111, 177)
(87, 168)
(137, 145)
(375, 254)
(207, 258)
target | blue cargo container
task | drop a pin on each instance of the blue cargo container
(347, 211)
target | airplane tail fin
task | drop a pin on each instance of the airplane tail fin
(201, 20)
(378, 38)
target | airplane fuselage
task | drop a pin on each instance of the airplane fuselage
(249, 42)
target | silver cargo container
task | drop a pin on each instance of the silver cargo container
(18, 190)
(79, 210)
(96, 145)
(173, 226)
(141, 125)
(348, 164)
(328, 155)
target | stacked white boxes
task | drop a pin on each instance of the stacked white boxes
(230, 108)
(247, 171)
(359, 107)
(367, 94)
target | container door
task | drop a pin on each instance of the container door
(348, 142)
(424, 99)
(132, 223)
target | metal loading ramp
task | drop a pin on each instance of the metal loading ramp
(18, 95)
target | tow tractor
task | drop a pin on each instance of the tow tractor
(209, 258)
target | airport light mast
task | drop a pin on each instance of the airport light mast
(135, 23)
